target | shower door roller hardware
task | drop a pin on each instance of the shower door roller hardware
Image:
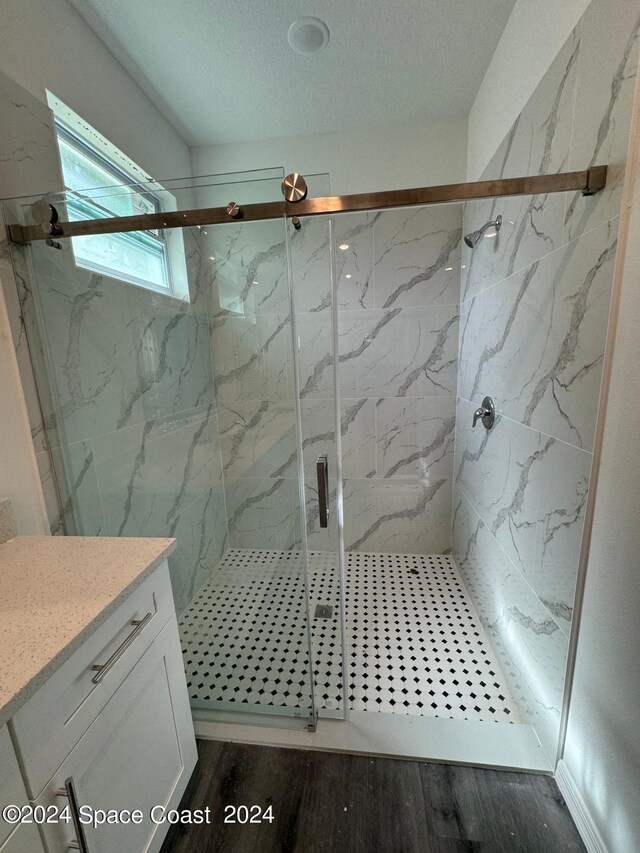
(322, 474)
(46, 216)
(486, 412)
(234, 210)
(294, 188)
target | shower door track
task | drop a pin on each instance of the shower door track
(588, 182)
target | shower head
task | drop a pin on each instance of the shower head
(472, 239)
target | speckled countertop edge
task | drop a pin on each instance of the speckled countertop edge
(159, 550)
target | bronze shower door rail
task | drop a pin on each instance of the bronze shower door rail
(588, 182)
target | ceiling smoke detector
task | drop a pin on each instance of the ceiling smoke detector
(308, 35)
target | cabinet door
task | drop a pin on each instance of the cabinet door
(139, 753)
(25, 839)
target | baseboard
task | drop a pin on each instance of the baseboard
(578, 810)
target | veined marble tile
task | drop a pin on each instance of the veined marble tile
(610, 40)
(414, 437)
(417, 256)
(358, 423)
(28, 153)
(55, 512)
(536, 340)
(311, 265)
(315, 355)
(561, 481)
(398, 516)
(529, 644)
(532, 226)
(258, 439)
(358, 435)
(147, 474)
(399, 352)
(200, 531)
(252, 357)
(538, 143)
(355, 231)
(494, 469)
(249, 268)
(530, 491)
(318, 433)
(263, 513)
(119, 354)
(82, 507)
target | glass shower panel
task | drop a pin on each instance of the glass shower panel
(313, 277)
(174, 414)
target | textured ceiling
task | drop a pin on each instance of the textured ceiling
(222, 71)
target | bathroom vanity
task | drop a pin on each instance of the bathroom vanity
(94, 709)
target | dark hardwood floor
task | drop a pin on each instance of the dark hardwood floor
(353, 804)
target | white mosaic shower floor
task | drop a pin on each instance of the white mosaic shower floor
(417, 646)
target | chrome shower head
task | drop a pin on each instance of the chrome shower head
(472, 239)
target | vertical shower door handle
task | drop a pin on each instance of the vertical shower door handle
(322, 473)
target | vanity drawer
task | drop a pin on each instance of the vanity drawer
(12, 790)
(50, 724)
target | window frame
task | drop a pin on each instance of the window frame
(74, 132)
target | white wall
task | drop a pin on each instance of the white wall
(48, 46)
(534, 34)
(602, 750)
(357, 161)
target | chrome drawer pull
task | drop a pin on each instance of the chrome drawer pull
(103, 668)
(69, 791)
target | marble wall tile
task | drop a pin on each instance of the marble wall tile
(414, 437)
(120, 355)
(148, 473)
(493, 468)
(311, 265)
(399, 352)
(28, 155)
(315, 355)
(530, 491)
(610, 41)
(249, 268)
(537, 143)
(417, 256)
(355, 231)
(561, 481)
(528, 642)
(263, 513)
(252, 357)
(535, 342)
(258, 439)
(391, 516)
(200, 531)
(82, 509)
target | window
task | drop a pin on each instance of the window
(102, 182)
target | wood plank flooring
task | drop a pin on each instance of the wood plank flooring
(334, 803)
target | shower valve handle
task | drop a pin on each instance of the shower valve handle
(486, 413)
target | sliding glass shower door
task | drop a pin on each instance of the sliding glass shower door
(167, 370)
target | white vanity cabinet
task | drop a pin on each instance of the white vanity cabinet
(14, 838)
(111, 729)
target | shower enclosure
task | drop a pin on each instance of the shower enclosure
(289, 409)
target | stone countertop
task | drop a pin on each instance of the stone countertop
(54, 592)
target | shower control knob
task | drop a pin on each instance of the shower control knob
(234, 210)
(486, 413)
